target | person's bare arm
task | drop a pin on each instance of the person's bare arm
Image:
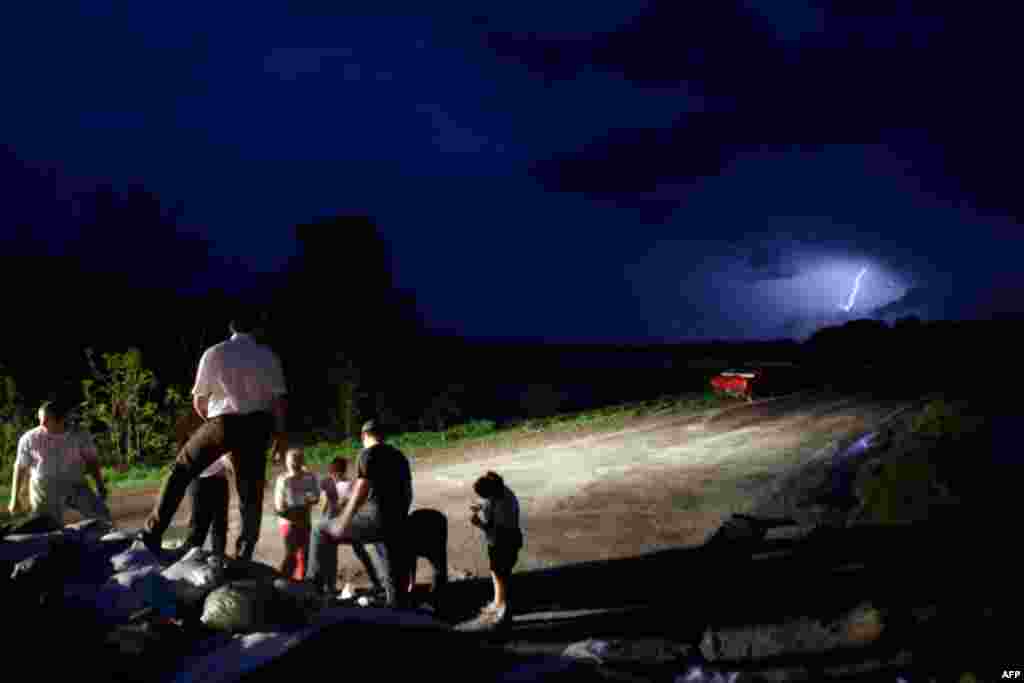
(201, 405)
(279, 497)
(93, 468)
(18, 480)
(357, 496)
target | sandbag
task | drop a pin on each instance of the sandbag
(249, 606)
(88, 530)
(36, 524)
(128, 578)
(48, 570)
(36, 570)
(132, 558)
(249, 570)
(14, 549)
(195, 570)
(238, 607)
(118, 535)
(129, 591)
(302, 595)
(192, 578)
(246, 655)
(144, 648)
(240, 655)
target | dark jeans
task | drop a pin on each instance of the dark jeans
(209, 496)
(360, 552)
(389, 540)
(246, 437)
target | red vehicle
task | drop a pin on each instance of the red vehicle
(735, 383)
(767, 378)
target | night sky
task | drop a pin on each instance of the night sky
(568, 171)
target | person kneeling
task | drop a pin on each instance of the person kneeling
(376, 512)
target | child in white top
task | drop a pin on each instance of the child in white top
(336, 488)
(295, 494)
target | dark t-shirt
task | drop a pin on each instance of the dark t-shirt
(387, 469)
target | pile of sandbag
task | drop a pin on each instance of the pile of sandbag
(96, 588)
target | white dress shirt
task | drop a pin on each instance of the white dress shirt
(239, 376)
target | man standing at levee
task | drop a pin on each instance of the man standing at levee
(240, 394)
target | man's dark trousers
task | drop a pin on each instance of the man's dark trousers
(390, 549)
(209, 496)
(246, 437)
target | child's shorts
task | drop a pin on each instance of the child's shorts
(504, 553)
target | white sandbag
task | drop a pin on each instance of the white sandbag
(623, 651)
(128, 578)
(89, 530)
(243, 654)
(113, 600)
(14, 549)
(195, 571)
(132, 558)
(590, 649)
(119, 535)
(248, 652)
(698, 675)
(192, 578)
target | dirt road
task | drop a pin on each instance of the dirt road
(660, 482)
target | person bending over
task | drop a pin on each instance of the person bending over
(55, 460)
(376, 512)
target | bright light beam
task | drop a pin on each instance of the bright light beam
(853, 294)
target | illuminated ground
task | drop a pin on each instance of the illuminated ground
(659, 483)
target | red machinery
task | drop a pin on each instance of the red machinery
(735, 383)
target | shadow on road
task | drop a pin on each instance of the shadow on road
(729, 586)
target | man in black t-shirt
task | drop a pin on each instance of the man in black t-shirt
(376, 512)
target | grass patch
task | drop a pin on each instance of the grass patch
(419, 445)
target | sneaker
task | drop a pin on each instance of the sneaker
(497, 616)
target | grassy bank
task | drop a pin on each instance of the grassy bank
(483, 433)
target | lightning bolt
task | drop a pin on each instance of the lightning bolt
(853, 294)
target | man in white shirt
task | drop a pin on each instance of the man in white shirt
(240, 393)
(55, 461)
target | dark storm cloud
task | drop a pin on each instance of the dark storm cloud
(644, 170)
(901, 75)
(918, 301)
